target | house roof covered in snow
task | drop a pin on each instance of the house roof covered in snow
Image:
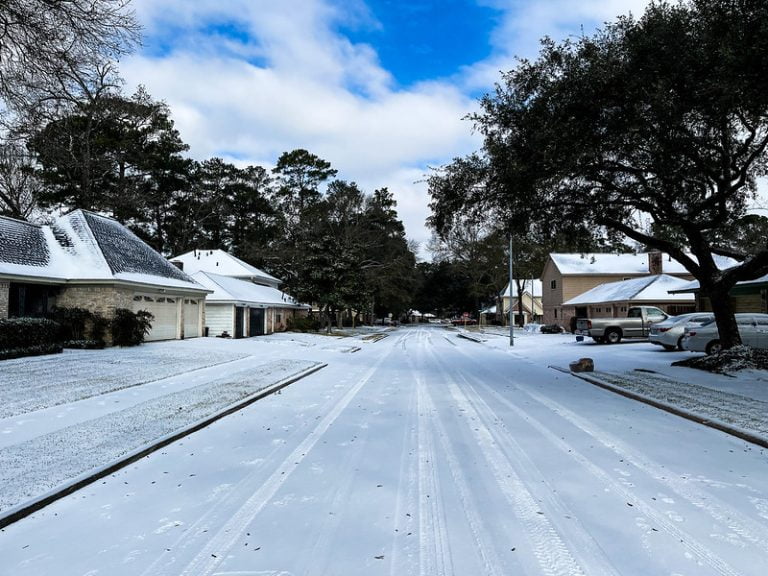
(535, 290)
(224, 264)
(84, 247)
(693, 285)
(611, 264)
(228, 290)
(644, 289)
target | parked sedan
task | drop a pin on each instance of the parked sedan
(753, 329)
(669, 333)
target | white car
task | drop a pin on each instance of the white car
(669, 333)
(753, 329)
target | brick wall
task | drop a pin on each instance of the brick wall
(103, 300)
(5, 288)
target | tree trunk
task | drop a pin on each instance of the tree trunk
(722, 307)
(520, 309)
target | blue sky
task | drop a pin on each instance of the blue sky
(379, 88)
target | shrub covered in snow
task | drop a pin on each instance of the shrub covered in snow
(129, 328)
(731, 360)
(304, 324)
(80, 328)
(28, 337)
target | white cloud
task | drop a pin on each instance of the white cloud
(282, 77)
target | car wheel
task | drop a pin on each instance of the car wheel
(613, 336)
(714, 347)
(668, 348)
(680, 343)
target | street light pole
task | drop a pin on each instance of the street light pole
(511, 308)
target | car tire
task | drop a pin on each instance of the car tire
(680, 343)
(668, 348)
(713, 347)
(613, 336)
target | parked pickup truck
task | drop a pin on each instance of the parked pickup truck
(637, 324)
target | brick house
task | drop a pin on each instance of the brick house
(613, 299)
(89, 261)
(565, 276)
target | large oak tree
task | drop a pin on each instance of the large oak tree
(654, 128)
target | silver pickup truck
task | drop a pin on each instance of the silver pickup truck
(637, 324)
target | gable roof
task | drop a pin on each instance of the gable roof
(596, 264)
(234, 290)
(535, 290)
(84, 246)
(645, 289)
(224, 264)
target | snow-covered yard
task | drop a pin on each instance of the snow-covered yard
(422, 453)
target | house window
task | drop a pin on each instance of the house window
(148, 299)
(553, 284)
(555, 308)
(137, 298)
(171, 300)
(279, 318)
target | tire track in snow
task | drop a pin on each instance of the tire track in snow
(492, 566)
(434, 546)
(549, 549)
(404, 561)
(696, 548)
(213, 552)
(509, 453)
(751, 531)
(432, 427)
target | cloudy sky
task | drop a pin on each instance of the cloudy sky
(379, 88)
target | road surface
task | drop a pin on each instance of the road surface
(422, 454)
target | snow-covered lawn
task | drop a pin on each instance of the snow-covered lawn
(422, 453)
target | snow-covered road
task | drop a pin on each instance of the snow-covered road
(421, 454)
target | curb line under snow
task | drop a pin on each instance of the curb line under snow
(722, 427)
(23, 510)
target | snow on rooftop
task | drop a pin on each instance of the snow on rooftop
(597, 263)
(224, 264)
(643, 289)
(537, 288)
(83, 246)
(228, 289)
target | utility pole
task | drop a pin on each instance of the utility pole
(511, 308)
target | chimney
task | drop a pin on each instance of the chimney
(655, 265)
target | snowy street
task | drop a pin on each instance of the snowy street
(419, 454)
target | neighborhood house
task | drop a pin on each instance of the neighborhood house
(244, 301)
(85, 260)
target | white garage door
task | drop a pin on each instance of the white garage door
(192, 317)
(165, 311)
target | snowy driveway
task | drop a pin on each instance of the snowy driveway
(422, 454)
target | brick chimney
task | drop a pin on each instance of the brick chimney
(655, 265)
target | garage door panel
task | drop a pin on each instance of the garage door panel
(165, 312)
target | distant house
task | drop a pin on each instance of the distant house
(531, 300)
(612, 299)
(565, 276)
(240, 309)
(224, 264)
(246, 301)
(90, 261)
